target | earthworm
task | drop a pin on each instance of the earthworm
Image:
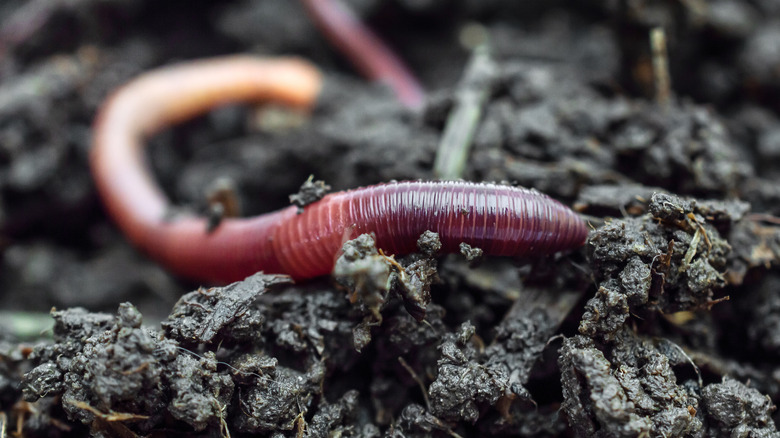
(365, 50)
(501, 220)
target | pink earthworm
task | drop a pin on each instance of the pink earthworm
(365, 50)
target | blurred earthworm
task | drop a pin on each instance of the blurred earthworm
(365, 50)
(499, 219)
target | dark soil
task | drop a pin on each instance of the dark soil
(667, 322)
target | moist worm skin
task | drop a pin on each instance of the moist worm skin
(502, 220)
(499, 219)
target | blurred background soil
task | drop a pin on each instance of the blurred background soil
(667, 322)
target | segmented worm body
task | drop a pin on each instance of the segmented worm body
(499, 219)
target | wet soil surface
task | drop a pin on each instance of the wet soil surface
(666, 323)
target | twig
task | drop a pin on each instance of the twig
(418, 380)
(466, 113)
(110, 416)
(660, 66)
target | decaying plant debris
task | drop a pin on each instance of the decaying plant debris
(666, 323)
